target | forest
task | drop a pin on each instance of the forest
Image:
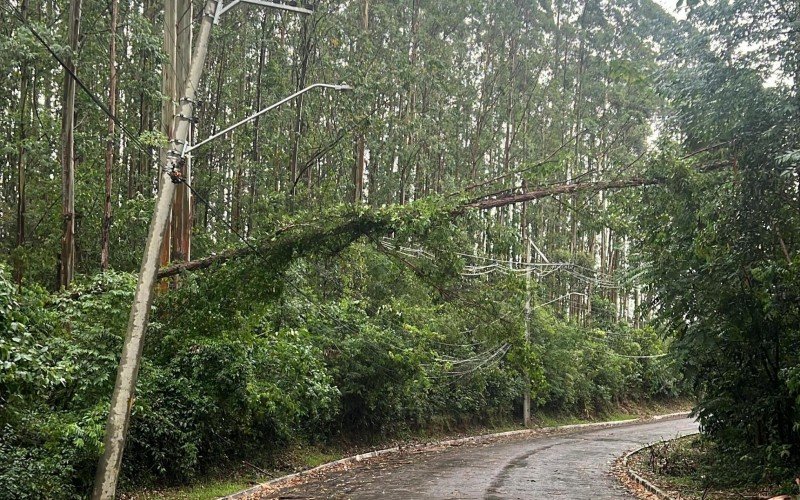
(505, 209)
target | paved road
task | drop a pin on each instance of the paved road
(573, 465)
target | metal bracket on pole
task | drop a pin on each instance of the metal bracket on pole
(277, 4)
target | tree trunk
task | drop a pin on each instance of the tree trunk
(298, 117)
(358, 171)
(256, 149)
(181, 230)
(67, 153)
(22, 158)
(169, 91)
(112, 106)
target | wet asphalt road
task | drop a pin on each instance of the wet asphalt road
(575, 465)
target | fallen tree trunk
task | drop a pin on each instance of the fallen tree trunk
(545, 192)
(205, 262)
(280, 250)
(365, 221)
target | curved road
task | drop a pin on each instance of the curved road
(571, 465)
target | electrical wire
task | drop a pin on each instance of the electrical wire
(135, 140)
(257, 252)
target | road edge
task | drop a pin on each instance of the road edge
(273, 483)
(644, 483)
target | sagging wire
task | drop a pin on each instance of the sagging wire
(96, 100)
(541, 269)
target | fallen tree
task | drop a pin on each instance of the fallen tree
(372, 221)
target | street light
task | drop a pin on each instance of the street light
(341, 87)
(275, 4)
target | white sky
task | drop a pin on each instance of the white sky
(670, 6)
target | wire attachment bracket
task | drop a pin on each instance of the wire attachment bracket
(190, 119)
(175, 170)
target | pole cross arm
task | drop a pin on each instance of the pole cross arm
(188, 149)
(276, 4)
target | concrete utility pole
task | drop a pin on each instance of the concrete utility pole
(173, 161)
(526, 403)
(122, 399)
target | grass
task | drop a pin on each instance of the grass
(235, 477)
(200, 491)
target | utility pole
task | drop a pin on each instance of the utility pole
(67, 152)
(122, 398)
(173, 159)
(526, 403)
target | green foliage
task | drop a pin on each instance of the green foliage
(723, 245)
(327, 329)
(389, 345)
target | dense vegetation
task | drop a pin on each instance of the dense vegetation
(356, 344)
(725, 270)
(389, 280)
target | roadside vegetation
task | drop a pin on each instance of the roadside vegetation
(262, 369)
(590, 202)
(694, 467)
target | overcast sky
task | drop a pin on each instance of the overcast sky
(669, 6)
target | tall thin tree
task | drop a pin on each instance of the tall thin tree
(21, 160)
(112, 106)
(67, 153)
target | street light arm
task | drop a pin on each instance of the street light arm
(189, 149)
(221, 9)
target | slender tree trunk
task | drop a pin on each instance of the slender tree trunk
(358, 172)
(509, 106)
(169, 90)
(256, 149)
(67, 153)
(298, 118)
(22, 160)
(110, 142)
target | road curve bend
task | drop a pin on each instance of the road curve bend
(572, 465)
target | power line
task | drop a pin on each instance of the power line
(132, 137)
(485, 361)
(257, 252)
